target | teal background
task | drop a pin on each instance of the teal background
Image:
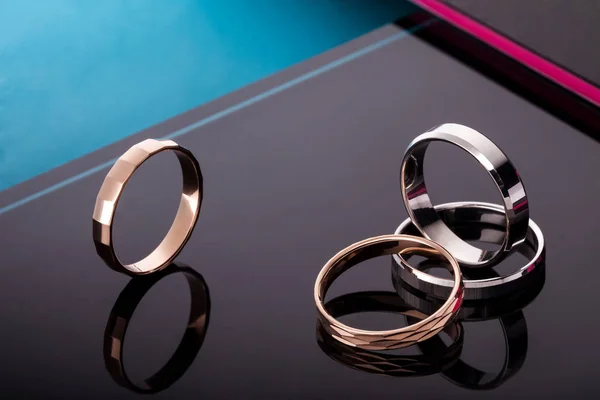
(76, 75)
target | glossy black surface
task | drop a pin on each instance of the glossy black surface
(566, 32)
(289, 181)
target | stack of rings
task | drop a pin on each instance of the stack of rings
(430, 304)
(435, 232)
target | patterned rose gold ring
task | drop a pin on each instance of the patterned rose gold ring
(112, 189)
(396, 338)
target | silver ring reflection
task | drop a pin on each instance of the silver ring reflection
(488, 222)
(508, 311)
(514, 329)
(505, 176)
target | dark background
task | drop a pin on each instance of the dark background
(565, 31)
(289, 181)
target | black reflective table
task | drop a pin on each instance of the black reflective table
(297, 167)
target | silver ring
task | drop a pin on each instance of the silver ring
(475, 310)
(505, 176)
(489, 220)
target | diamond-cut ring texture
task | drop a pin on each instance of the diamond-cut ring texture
(512, 217)
(439, 241)
(396, 338)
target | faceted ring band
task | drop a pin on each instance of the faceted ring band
(112, 189)
(474, 213)
(440, 357)
(396, 338)
(505, 176)
(189, 346)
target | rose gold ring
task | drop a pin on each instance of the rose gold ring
(112, 188)
(437, 356)
(396, 338)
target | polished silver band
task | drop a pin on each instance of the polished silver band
(505, 176)
(477, 310)
(488, 222)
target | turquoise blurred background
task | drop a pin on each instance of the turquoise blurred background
(76, 75)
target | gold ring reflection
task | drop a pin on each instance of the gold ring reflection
(439, 357)
(123, 310)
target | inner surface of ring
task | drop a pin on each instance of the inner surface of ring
(421, 208)
(378, 249)
(484, 232)
(184, 219)
(473, 224)
(481, 222)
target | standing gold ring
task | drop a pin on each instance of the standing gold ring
(396, 338)
(112, 189)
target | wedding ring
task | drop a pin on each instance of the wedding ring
(396, 338)
(488, 222)
(438, 358)
(112, 189)
(118, 321)
(505, 176)
(506, 309)
(475, 310)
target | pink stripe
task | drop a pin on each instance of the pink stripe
(542, 66)
(419, 192)
(530, 268)
(520, 205)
